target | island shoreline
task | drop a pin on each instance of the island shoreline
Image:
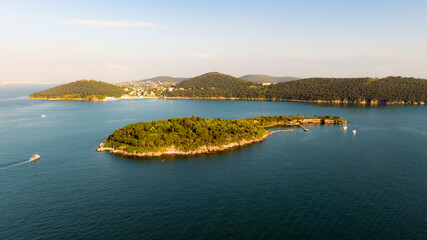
(171, 150)
(202, 150)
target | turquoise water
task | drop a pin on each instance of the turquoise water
(325, 184)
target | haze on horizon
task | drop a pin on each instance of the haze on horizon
(113, 41)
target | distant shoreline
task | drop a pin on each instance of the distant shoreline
(309, 101)
(107, 99)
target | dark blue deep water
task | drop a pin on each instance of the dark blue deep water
(325, 184)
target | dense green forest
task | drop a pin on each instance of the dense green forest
(216, 85)
(81, 89)
(390, 89)
(184, 133)
(191, 133)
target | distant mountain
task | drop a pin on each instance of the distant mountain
(161, 81)
(266, 78)
(213, 80)
(214, 85)
(80, 90)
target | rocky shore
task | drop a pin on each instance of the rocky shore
(202, 150)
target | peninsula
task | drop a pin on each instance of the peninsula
(195, 135)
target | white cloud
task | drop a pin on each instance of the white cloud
(207, 56)
(96, 23)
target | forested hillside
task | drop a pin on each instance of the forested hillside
(216, 85)
(385, 90)
(390, 89)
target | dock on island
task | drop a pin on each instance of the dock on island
(303, 128)
(284, 130)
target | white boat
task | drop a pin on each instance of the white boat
(35, 157)
(43, 115)
(344, 128)
(354, 131)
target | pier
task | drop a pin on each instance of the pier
(303, 128)
(277, 131)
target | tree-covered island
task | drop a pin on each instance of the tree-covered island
(82, 90)
(195, 135)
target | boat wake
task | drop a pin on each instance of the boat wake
(15, 165)
(11, 99)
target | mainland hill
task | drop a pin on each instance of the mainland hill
(85, 90)
(214, 84)
(161, 81)
(267, 78)
(391, 90)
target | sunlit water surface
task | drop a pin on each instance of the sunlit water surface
(325, 184)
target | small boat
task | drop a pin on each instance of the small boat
(354, 131)
(43, 115)
(35, 157)
(344, 128)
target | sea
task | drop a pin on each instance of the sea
(323, 184)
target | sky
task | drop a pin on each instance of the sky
(62, 41)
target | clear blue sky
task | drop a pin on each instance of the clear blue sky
(62, 41)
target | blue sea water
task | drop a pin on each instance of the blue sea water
(325, 184)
